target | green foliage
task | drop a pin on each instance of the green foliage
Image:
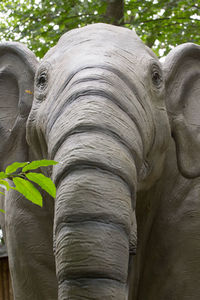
(37, 164)
(13, 167)
(39, 23)
(44, 182)
(166, 23)
(27, 189)
(2, 175)
(20, 175)
(4, 184)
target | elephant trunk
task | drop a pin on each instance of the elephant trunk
(96, 183)
(93, 221)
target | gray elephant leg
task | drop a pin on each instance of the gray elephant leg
(30, 248)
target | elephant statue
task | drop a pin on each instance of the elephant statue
(125, 131)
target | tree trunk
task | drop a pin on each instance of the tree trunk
(115, 12)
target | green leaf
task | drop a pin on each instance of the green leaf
(4, 184)
(39, 163)
(44, 182)
(27, 189)
(13, 167)
(2, 175)
(3, 211)
(2, 193)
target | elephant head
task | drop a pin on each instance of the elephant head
(105, 108)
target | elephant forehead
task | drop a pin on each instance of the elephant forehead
(98, 38)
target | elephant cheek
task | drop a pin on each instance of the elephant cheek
(96, 186)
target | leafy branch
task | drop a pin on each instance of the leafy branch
(20, 173)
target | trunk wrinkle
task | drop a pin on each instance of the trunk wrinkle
(87, 165)
(84, 94)
(119, 74)
(91, 128)
(107, 224)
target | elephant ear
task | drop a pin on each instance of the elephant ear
(182, 75)
(17, 69)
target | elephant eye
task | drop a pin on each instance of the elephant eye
(42, 80)
(156, 77)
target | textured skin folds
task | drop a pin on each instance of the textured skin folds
(94, 118)
(97, 120)
(28, 249)
(125, 131)
(93, 162)
(34, 250)
(169, 263)
(82, 289)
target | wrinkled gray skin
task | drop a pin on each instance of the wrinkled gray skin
(106, 110)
